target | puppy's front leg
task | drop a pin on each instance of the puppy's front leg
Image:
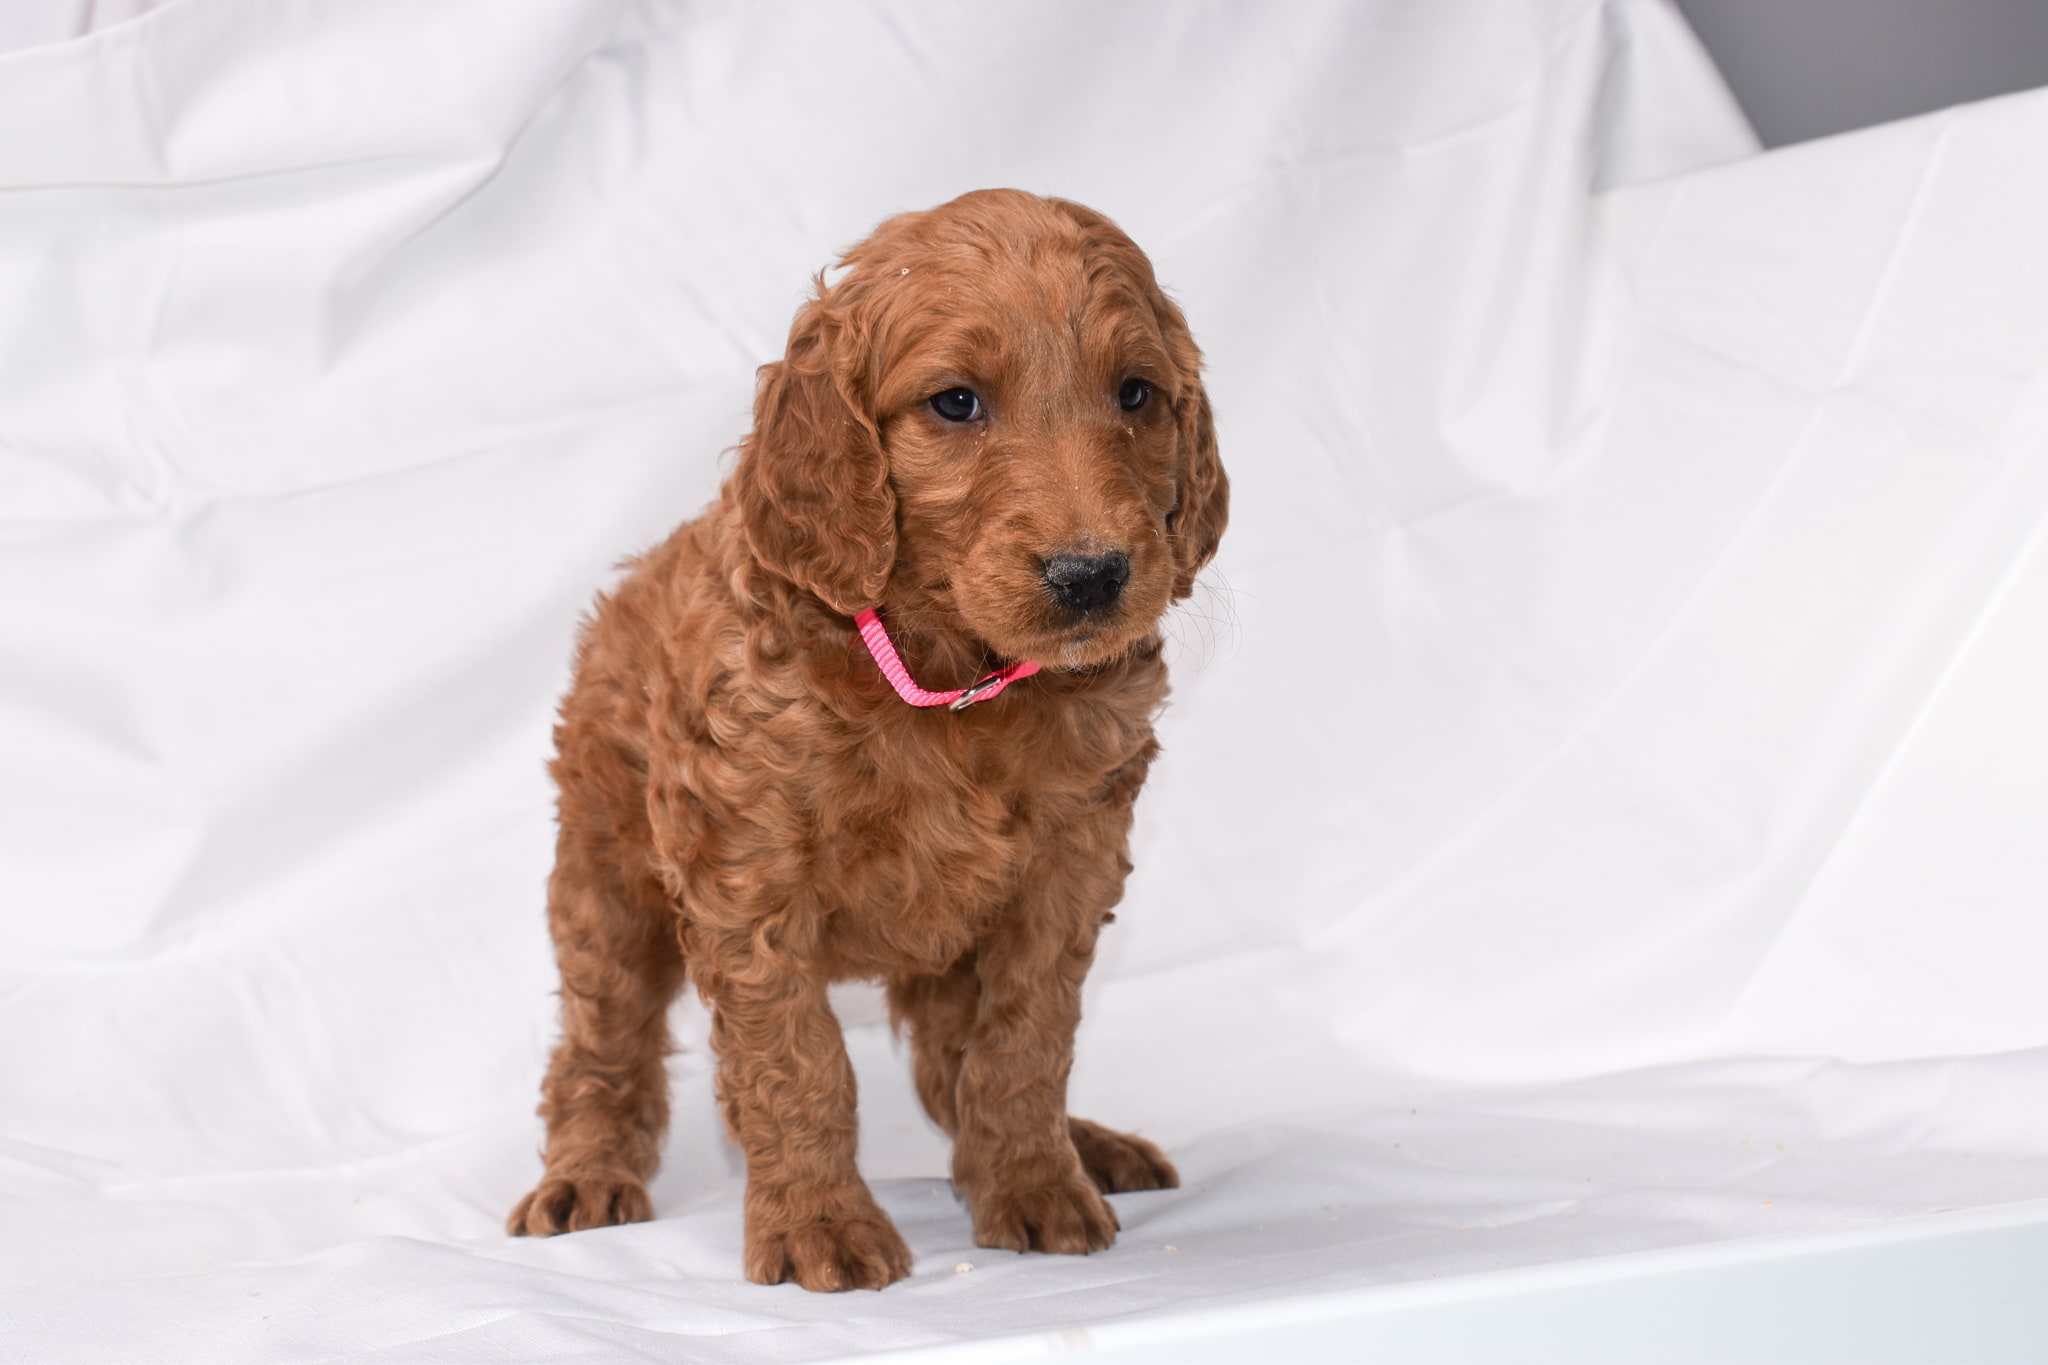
(1014, 1158)
(787, 1089)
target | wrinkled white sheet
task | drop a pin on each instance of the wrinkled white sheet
(1603, 794)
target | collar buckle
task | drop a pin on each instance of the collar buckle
(970, 695)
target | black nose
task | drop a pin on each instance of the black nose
(1088, 582)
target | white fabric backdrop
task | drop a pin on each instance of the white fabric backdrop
(1601, 797)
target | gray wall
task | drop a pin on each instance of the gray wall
(1807, 68)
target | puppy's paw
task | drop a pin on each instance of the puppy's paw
(1067, 1215)
(1121, 1162)
(846, 1244)
(571, 1203)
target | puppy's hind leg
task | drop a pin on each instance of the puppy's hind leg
(1121, 1162)
(938, 1013)
(605, 1098)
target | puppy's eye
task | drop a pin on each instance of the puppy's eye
(957, 405)
(1133, 395)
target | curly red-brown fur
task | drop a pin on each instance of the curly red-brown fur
(744, 801)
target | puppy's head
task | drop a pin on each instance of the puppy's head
(994, 417)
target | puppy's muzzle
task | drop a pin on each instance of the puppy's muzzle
(1088, 583)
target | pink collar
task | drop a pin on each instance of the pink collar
(959, 698)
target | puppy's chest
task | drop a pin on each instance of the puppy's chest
(920, 846)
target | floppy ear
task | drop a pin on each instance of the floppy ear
(1196, 523)
(813, 487)
(1201, 490)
